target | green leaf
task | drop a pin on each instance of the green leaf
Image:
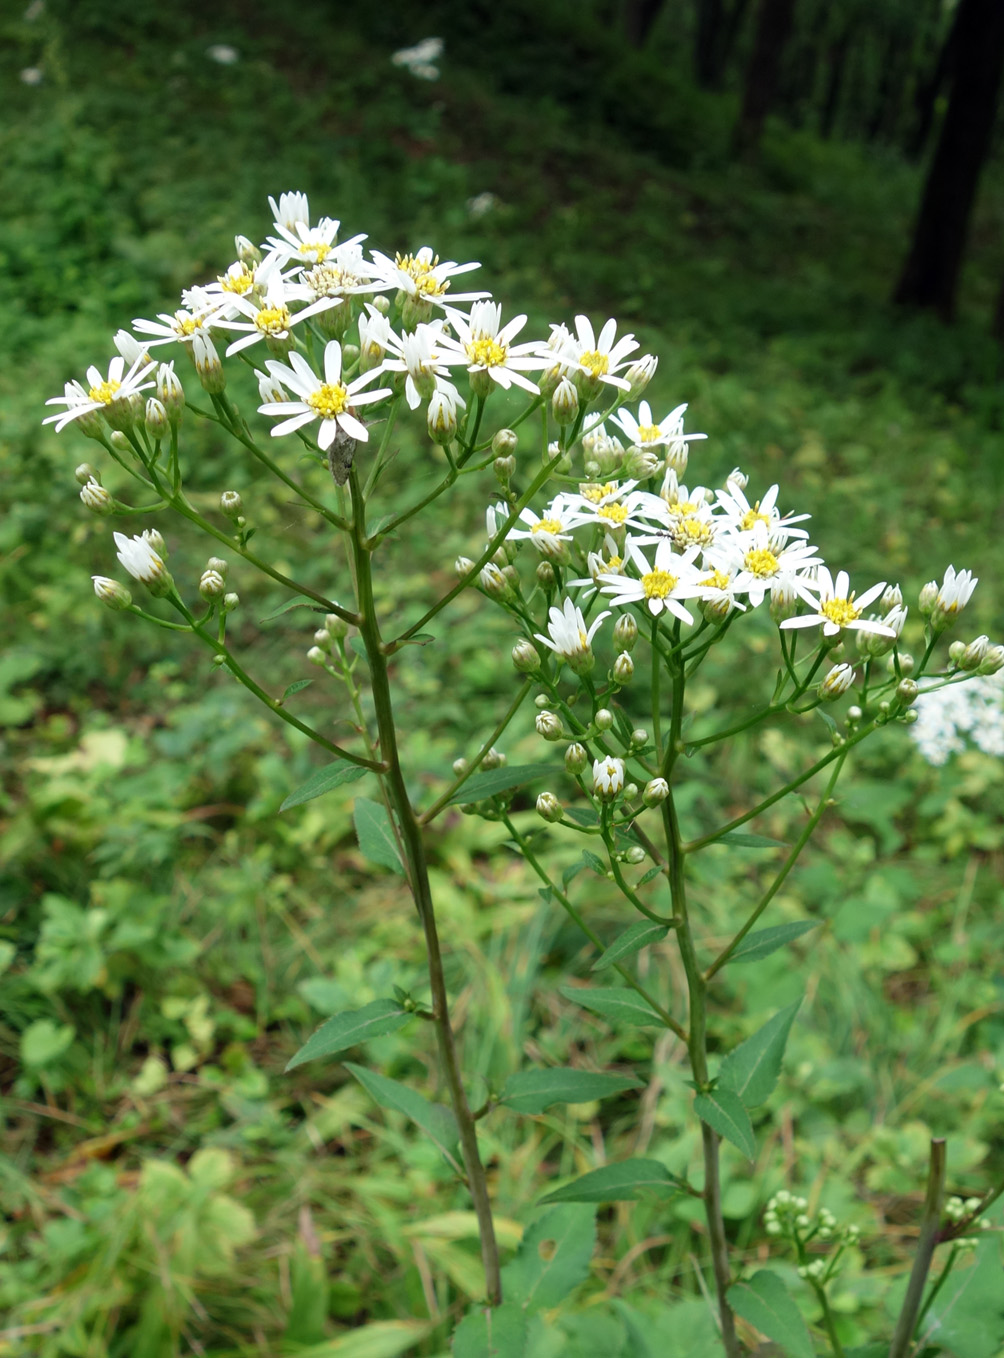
(617, 1003)
(351, 1028)
(595, 862)
(739, 839)
(967, 1316)
(297, 686)
(323, 780)
(43, 1042)
(381, 1339)
(493, 782)
(531, 1091)
(765, 941)
(376, 834)
(552, 1259)
(751, 1070)
(492, 1332)
(435, 1120)
(623, 1182)
(764, 1301)
(723, 1110)
(638, 936)
(582, 815)
(650, 875)
(290, 603)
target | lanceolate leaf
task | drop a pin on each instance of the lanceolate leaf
(291, 603)
(723, 1110)
(552, 1259)
(492, 1332)
(765, 1303)
(297, 686)
(751, 1070)
(617, 1003)
(766, 941)
(348, 1029)
(742, 839)
(500, 780)
(623, 1182)
(435, 1120)
(376, 835)
(323, 780)
(531, 1091)
(638, 936)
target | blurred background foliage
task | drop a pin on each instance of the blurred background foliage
(167, 939)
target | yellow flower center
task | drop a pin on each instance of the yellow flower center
(411, 264)
(753, 516)
(547, 526)
(615, 513)
(186, 325)
(761, 561)
(239, 283)
(692, 529)
(840, 611)
(487, 352)
(657, 584)
(327, 281)
(596, 363)
(716, 580)
(328, 400)
(596, 493)
(104, 392)
(318, 249)
(273, 320)
(428, 285)
(648, 433)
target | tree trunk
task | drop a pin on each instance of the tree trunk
(931, 273)
(718, 25)
(639, 16)
(774, 23)
(834, 82)
(926, 97)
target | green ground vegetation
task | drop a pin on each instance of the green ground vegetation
(168, 939)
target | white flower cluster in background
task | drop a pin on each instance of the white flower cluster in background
(420, 60)
(953, 717)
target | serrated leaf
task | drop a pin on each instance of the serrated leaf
(617, 1003)
(740, 839)
(492, 1332)
(532, 1091)
(376, 834)
(765, 941)
(623, 1182)
(751, 1070)
(290, 603)
(349, 1029)
(323, 780)
(552, 1259)
(764, 1301)
(493, 782)
(435, 1119)
(638, 936)
(723, 1110)
(967, 1316)
(297, 686)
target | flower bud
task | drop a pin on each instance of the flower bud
(545, 575)
(382, 304)
(549, 808)
(548, 725)
(655, 792)
(511, 577)
(123, 412)
(639, 464)
(972, 655)
(494, 583)
(635, 855)
(505, 442)
(231, 505)
(505, 469)
(460, 767)
(892, 597)
(604, 719)
(525, 656)
(907, 664)
(84, 473)
(155, 418)
(992, 661)
(111, 593)
(576, 758)
(143, 557)
(208, 365)
(494, 759)
(677, 456)
(541, 701)
(956, 651)
(118, 441)
(836, 682)
(639, 737)
(907, 690)
(608, 777)
(322, 639)
(247, 252)
(783, 601)
(736, 480)
(463, 566)
(441, 420)
(625, 632)
(910, 716)
(640, 374)
(337, 628)
(624, 668)
(928, 598)
(854, 715)
(565, 402)
(316, 656)
(212, 585)
(156, 541)
(230, 602)
(94, 497)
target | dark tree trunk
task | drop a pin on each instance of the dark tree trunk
(718, 26)
(926, 97)
(890, 86)
(639, 16)
(931, 273)
(834, 82)
(997, 324)
(774, 22)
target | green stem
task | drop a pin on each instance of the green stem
(828, 1321)
(930, 1231)
(939, 1282)
(433, 811)
(418, 875)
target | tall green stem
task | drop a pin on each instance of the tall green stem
(418, 876)
(930, 1231)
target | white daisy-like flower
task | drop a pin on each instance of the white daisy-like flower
(608, 776)
(331, 401)
(717, 598)
(421, 354)
(240, 280)
(758, 562)
(424, 277)
(375, 337)
(441, 417)
(484, 346)
(740, 515)
(612, 505)
(550, 532)
(600, 357)
(837, 608)
(140, 559)
(102, 395)
(179, 326)
(567, 635)
(559, 351)
(644, 432)
(345, 272)
(269, 317)
(661, 585)
(953, 595)
(292, 208)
